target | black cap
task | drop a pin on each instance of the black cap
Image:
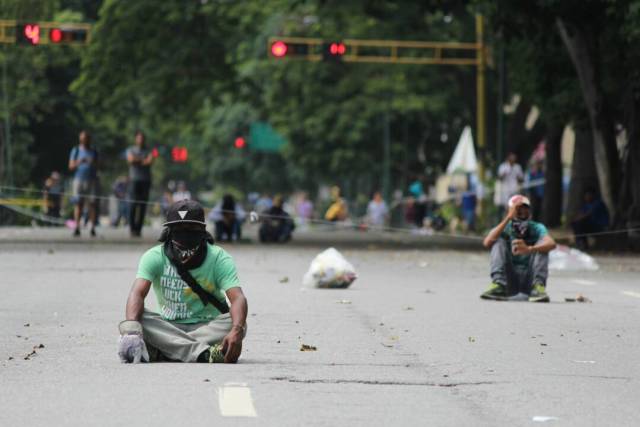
(185, 211)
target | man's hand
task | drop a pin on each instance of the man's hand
(519, 247)
(232, 345)
(131, 346)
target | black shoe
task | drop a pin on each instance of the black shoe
(93, 232)
(76, 232)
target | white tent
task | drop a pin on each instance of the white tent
(464, 157)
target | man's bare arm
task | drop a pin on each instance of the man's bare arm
(495, 232)
(232, 343)
(544, 245)
(135, 302)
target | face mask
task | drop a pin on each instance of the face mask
(520, 227)
(187, 243)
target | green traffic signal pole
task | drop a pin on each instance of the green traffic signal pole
(7, 121)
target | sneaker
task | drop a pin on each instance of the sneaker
(538, 293)
(495, 292)
(213, 354)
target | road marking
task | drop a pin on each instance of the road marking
(234, 400)
(584, 282)
(631, 294)
(543, 419)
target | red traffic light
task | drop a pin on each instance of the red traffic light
(279, 49)
(240, 142)
(179, 154)
(55, 35)
(337, 49)
(28, 33)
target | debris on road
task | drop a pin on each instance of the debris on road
(585, 361)
(408, 308)
(472, 339)
(26, 325)
(285, 279)
(579, 298)
(33, 351)
(306, 347)
(330, 269)
(344, 301)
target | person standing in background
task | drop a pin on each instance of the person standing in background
(140, 159)
(510, 176)
(83, 162)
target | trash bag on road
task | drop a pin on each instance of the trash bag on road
(564, 258)
(329, 269)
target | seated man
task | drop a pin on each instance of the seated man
(519, 254)
(228, 217)
(190, 277)
(277, 225)
(593, 217)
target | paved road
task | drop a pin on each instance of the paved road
(409, 344)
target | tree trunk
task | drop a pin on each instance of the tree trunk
(517, 133)
(630, 194)
(604, 143)
(552, 203)
(583, 171)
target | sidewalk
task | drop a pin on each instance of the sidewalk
(317, 237)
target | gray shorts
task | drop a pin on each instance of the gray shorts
(84, 189)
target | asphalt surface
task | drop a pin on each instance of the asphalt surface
(410, 343)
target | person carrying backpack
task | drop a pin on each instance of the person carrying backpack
(83, 162)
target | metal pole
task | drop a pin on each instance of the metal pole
(7, 120)
(386, 159)
(501, 90)
(480, 95)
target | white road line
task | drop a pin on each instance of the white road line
(631, 294)
(234, 400)
(584, 282)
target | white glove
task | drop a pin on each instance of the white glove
(131, 346)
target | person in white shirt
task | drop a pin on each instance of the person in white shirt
(510, 177)
(377, 211)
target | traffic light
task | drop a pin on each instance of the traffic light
(51, 33)
(179, 154)
(67, 35)
(240, 143)
(28, 34)
(281, 49)
(333, 51)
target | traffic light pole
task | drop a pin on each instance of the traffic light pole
(480, 96)
(402, 52)
(7, 121)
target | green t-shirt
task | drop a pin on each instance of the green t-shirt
(176, 301)
(535, 232)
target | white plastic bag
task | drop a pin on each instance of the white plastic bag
(329, 269)
(564, 258)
